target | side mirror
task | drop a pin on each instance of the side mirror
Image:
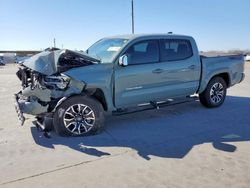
(123, 60)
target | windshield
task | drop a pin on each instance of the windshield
(106, 49)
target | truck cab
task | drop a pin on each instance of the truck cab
(155, 68)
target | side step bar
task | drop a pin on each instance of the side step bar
(154, 105)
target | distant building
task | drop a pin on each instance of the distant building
(9, 58)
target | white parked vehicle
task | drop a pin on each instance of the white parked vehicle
(247, 57)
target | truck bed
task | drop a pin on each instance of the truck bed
(233, 65)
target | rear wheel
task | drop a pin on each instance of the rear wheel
(78, 116)
(215, 93)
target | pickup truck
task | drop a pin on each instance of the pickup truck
(74, 90)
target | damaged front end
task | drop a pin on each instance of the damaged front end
(44, 86)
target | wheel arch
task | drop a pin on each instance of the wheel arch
(98, 94)
(224, 75)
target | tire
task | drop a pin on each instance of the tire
(215, 93)
(79, 116)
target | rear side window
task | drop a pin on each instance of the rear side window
(143, 52)
(175, 49)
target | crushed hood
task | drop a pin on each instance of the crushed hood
(51, 62)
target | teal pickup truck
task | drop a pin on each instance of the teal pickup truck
(116, 74)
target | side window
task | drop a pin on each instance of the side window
(143, 52)
(175, 49)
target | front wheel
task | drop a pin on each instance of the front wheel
(78, 116)
(215, 93)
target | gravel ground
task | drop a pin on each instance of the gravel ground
(179, 146)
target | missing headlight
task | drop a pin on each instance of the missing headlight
(56, 82)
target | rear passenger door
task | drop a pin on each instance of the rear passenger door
(180, 69)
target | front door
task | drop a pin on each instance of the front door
(137, 82)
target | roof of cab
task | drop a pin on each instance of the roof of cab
(136, 36)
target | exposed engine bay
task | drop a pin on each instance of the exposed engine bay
(44, 85)
(41, 93)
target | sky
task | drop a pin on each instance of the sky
(76, 24)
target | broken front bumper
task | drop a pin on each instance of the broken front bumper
(20, 115)
(43, 124)
(27, 106)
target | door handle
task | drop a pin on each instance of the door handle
(192, 67)
(158, 71)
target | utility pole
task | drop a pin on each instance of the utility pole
(133, 22)
(54, 42)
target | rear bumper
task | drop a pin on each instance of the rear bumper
(242, 77)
